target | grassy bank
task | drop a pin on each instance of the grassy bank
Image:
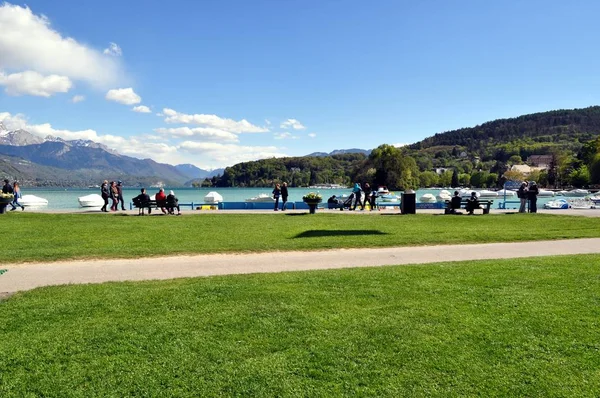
(48, 237)
(526, 327)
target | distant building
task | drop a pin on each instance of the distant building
(526, 169)
(542, 161)
(441, 170)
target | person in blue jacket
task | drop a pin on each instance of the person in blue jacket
(357, 195)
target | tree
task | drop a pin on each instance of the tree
(454, 183)
(581, 177)
(514, 175)
(394, 169)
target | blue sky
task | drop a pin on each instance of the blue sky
(231, 81)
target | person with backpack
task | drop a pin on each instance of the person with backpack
(120, 192)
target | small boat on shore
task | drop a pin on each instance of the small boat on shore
(261, 197)
(33, 201)
(91, 200)
(213, 197)
(443, 195)
(557, 204)
(427, 198)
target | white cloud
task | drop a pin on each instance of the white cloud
(206, 133)
(33, 83)
(28, 42)
(213, 121)
(212, 154)
(77, 98)
(229, 154)
(113, 49)
(312, 135)
(141, 109)
(284, 135)
(292, 123)
(399, 145)
(125, 96)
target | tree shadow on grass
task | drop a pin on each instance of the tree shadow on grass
(317, 233)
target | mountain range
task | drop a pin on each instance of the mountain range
(52, 161)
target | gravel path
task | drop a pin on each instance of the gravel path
(32, 275)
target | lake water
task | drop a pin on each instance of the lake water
(66, 199)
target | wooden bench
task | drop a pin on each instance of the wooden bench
(484, 205)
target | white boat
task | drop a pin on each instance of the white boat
(562, 193)
(388, 197)
(507, 192)
(582, 203)
(33, 201)
(382, 191)
(213, 197)
(427, 198)
(544, 193)
(443, 196)
(262, 197)
(466, 193)
(486, 194)
(91, 200)
(578, 192)
(557, 204)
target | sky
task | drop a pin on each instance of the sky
(215, 83)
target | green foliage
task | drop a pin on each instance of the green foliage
(580, 178)
(297, 172)
(394, 168)
(428, 179)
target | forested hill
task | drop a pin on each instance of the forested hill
(546, 127)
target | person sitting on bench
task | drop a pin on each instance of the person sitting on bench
(173, 203)
(472, 203)
(143, 200)
(455, 202)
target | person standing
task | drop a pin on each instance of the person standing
(284, 196)
(120, 191)
(532, 194)
(105, 193)
(522, 195)
(17, 196)
(367, 191)
(276, 195)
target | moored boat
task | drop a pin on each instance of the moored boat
(443, 195)
(261, 197)
(427, 198)
(91, 200)
(545, 193)
(213, 197)
(557, 204)
(578, 192)
(33, 201)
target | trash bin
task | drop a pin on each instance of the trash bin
(408, 203)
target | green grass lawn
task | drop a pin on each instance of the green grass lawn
(49, 237)
(526, 327)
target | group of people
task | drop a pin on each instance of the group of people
(280, 191)
(527, 193)
(470, 206)
(15, 190)
(357, 198)
(166, 203)
(113, 191)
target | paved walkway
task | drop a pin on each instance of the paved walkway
(32, 275)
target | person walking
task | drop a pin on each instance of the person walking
(17, 196)
(522, 195)
(120, 191)
(284, 196)
(114, 195)
(367, 191)
(276, 195)
(356, 191)
(105, 193)
(532, 194)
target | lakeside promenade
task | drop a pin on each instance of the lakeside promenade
(31, 275)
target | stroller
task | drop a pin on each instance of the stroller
(349, 202)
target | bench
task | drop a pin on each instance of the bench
(150, 204)
(484, 205)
